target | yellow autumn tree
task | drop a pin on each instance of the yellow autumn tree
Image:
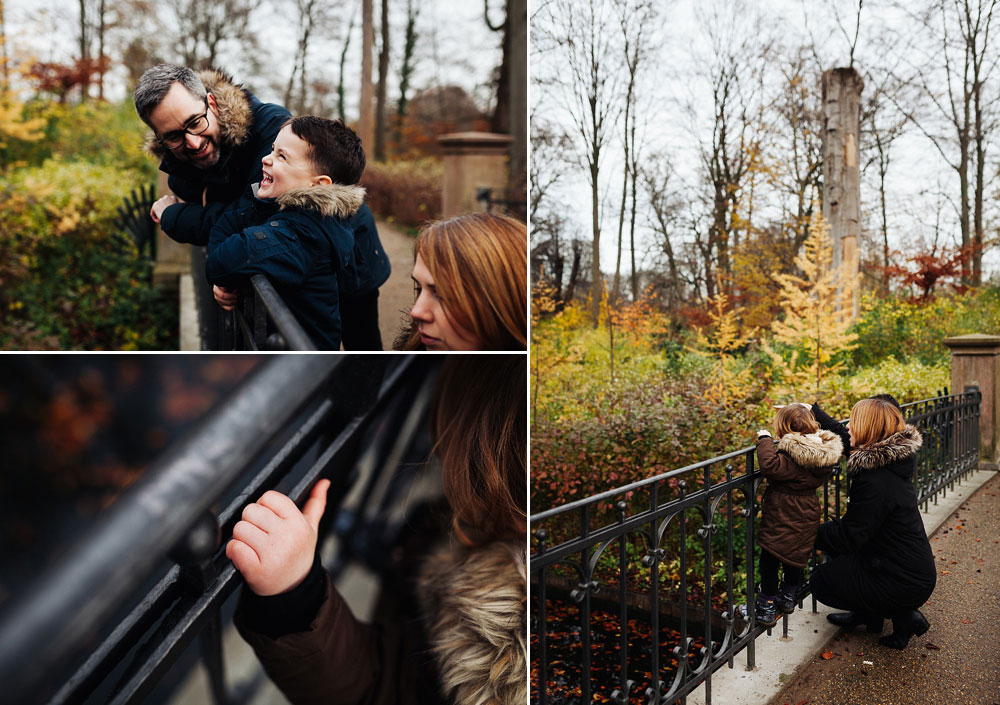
(730, 384)
(817, 316)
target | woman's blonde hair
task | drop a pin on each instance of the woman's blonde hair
(479, 266)
(480, 428)
(874, 420)
(794, 418)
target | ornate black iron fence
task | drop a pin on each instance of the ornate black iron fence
(261, 320)
(109, 621)
(635, 591)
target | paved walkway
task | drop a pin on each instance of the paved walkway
(395, 297)
(957, 660)
(788, 670)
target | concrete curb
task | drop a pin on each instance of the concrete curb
(779, 659)
(190, 338)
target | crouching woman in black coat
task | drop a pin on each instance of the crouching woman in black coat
(881, 561)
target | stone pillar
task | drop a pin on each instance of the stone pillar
(974, 361)
(472, 161)
(841, 175)
(172, 258)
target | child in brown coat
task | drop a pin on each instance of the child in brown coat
(790, 510)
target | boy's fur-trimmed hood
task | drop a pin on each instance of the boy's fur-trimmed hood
(330, 201)
(898, 446)
(812, 450)
(474, 601)
(235, 115)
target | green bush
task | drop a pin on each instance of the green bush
(67, 279)
(901, 329)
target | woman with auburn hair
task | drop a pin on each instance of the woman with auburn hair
(452, 628)
(881, 561)
(470, 280)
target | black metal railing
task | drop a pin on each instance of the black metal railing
(261, 320)
(635, 591)
(133, 218)
(109, 621)
(503, 202)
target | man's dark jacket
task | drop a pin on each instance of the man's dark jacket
(302, 242)
(247, 129)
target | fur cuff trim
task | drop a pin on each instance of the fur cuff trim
(333, 200)
(475, 605)
(885, 452)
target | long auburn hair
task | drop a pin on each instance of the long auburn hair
(479, 265)
(480, 431)
(874, 420)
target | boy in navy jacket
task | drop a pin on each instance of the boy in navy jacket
(297, 231)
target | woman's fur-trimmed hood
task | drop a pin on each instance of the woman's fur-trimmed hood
(330, 200)
(812, 450)
(235, 115)
(896, 447)
(474, 601)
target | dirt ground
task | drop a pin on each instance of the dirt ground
(395, 297)
(956, 662)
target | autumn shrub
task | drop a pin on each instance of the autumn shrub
(107, 134)
(406, 192)
(902, 329)
(67, 279)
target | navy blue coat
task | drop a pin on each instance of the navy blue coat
(302, 243)
(247, 128)
(369, 266)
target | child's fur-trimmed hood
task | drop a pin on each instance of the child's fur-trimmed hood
(235, 115)
(474, 602)
(329, 200)
(898, 446)
(812, 450)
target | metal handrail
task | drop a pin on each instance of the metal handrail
(46, 628)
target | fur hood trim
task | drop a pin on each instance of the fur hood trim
(896, 447)
(812, 450)
(330, 201)
(474, 602)
(235, 115)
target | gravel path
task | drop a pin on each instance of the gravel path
(395, 297)
(956, 662)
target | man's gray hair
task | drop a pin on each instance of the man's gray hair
(156, 81)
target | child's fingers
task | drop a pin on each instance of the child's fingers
(253, 536)
(279, 504)
(242, 555)
(316, 505)
(262, 517)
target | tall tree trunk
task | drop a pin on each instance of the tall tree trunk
(343, 64)
(383, 78)
(366, 123)
(84, 52)
(100, 52)
(406, 70)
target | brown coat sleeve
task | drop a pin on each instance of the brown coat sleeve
(774, 467)
(339, 661)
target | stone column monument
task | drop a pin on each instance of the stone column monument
(841, 176)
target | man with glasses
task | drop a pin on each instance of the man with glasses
(210, 134)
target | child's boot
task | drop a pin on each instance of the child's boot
(767, 612)
(788, 597)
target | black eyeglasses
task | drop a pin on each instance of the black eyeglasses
(195, 126)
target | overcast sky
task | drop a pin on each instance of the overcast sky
(677, 109)
(455, 46)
